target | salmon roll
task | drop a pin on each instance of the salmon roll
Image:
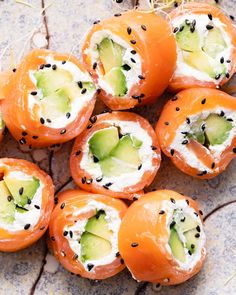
(161, 238)
(48, 99)
(197, 130)
(206, 46)
(27, 200)
(83, 234)
(131, 57)
(118, 155)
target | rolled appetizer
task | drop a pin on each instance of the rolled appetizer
(197, 130)
(206, 46)
(131, 58)
(117, 155)
(161, 238)
(27, 200)
(48, 100)
(83, 234)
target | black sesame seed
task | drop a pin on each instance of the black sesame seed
(129, 30)
(231, 17)
(197, 235)
(234, 150)
(22, 141)
(96, 22)
(189, 252)
(35, 137)
(133, 42)
(117, 14)
(63, 62)
(56, 201)
(62, 206)
(83, 91)
(135, 198)
(99, 179)
(228, 61)
(202, 173)
(93, 119)
(222, 114)
(65, 233)
(27, 226)
(167, 123)
(49, 121)
(21, 190)
(184, 132)
(176, 4)
(83, 179)
(47, 65)
(161, 212)
(41, 67)
(222, 60)
(172, 151)
(33, 93)
(24, 133)
(95, 65)
(185, 142)
(183, 219)
(187, 201)
(200, 212)
(63, 131)
(37, 207)
(196, 214)
(173, 223)
(68, 115)
(126, 67)
(106, 187)
(181, 28)
(75, 256)
(227, 75)
(42, 121)
(144, 27)
(28, 201)
(175, 30)
(90, 266)
(71, 234)
(140, 166)
(188, 120)
(198, 228)
(134, 244)
(209, 27)
(187, 21)
(89, 126)
(213, 165)
(133, 60)
(117, 254)
(9, 198)
(14, 70)
(192, 28)
(217, 77)
(172, 200)
(54, 67)
(108, 184)
(141, 77)
(203, 101)
(177, 109)
(80, 84)
(153, 147)
(122, 261)
(133, 51)
(210, 16)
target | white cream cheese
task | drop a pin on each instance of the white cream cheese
(131, 75)
(191, 260)
(216, 150)
(113, 220)
(146, 155)
(28, 217)
(182, 68)
(76, 104)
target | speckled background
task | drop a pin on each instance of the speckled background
(34, 271)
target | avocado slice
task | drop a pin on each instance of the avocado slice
(55, 105)
(110, 54)
(126, 152)
(93, 247)
(22, 190)
(214, 43)
(49, 81)
(137, 143)
(7, 208)
(187, 40)
(113, 167)
(99, 227)
(103, 142)
(186, 224)
(176, 246)
(117, 81)
(191, 240)
(217, 129)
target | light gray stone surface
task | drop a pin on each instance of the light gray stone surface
(22, 28)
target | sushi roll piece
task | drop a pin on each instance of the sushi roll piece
(131, 57)
(83, 234)
(27, 200)
(206, 46)
(48, 99)
(162, 239)
(118, 155)
(197, 130)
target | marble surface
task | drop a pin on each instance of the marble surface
(61, 25)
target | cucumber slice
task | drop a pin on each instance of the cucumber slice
(7, 208)
(93, 247)
(191, 240)
(114, 167)
(214, 43)
(177, 246)
(187, 40)
(217, 129)
(117, 81)
(103, 142)
(110, 54)
(99, 227)
(22, 190)
(186, 224)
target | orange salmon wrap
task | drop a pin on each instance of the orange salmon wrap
(131, 57)
(118, 155)
(83, 234)
(48, 99)
(206, 46)
(161, 238)
(197, 130)
(27, 200)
